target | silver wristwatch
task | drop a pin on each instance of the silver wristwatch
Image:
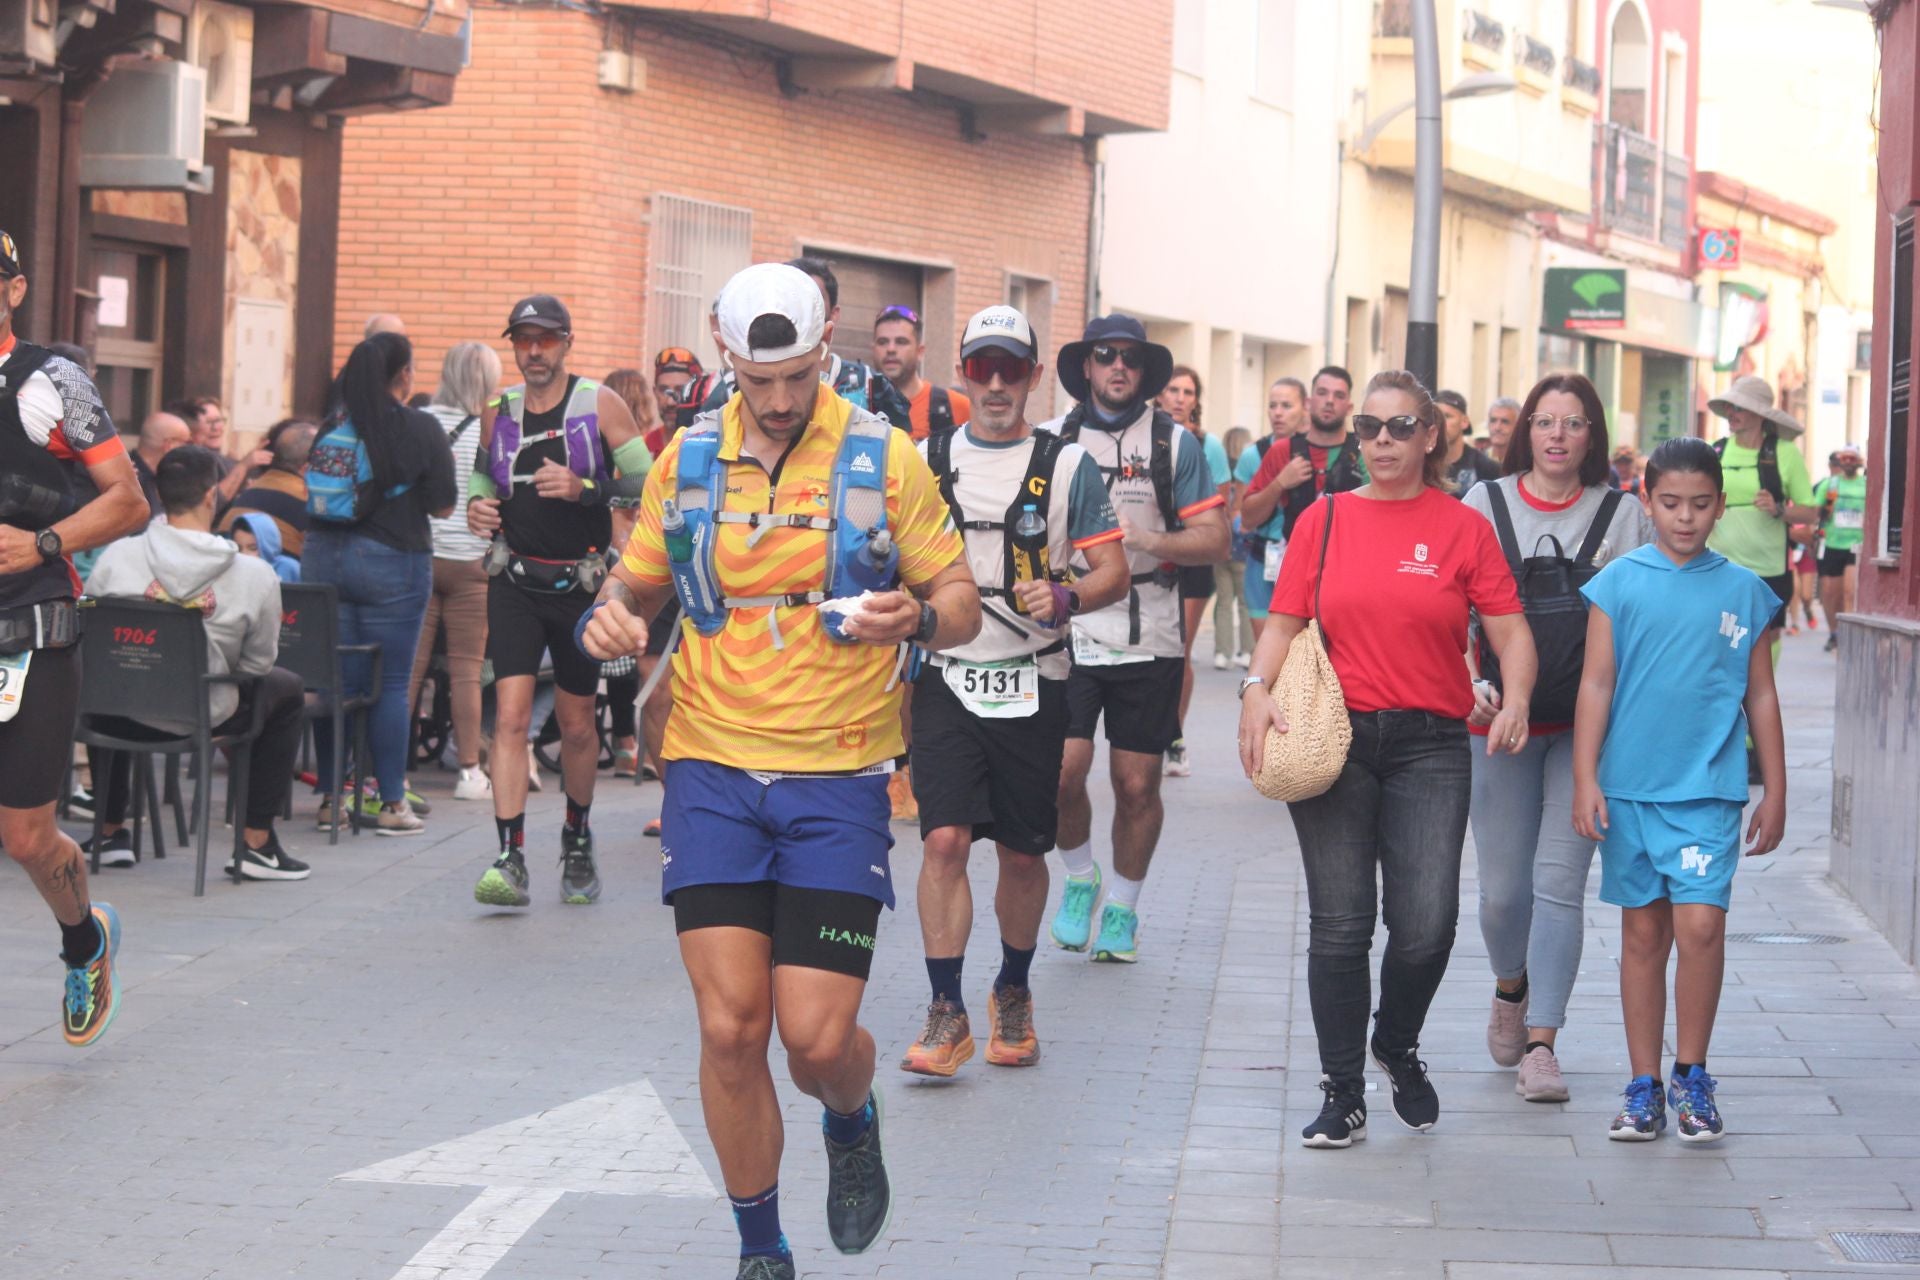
(1247, 682)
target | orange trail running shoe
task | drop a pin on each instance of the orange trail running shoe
(1011, 1041)
(945, 1044)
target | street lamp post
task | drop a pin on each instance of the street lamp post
(1423, 278)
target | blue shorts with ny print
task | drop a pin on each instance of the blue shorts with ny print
(1683, 851)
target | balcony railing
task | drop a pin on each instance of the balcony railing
(1583, 76)
(1643, 189)
(1676, 232)
(1478, 29)
(1630, 180)
(1537, 55)
(1393, 19)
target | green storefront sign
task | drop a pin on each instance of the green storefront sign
(1580, 299)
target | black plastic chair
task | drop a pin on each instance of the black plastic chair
(140, 655)
(310, 648)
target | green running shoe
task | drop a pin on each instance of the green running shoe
(504, 884)
(1073, 923)
(579, 881)
(1117, 927)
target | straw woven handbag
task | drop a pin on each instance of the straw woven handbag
(1306, 760)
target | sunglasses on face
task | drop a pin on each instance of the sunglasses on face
(1132, 357)
(542, 340)
(1012, 370)
(1572, 422)
(899, 312)
(1401, 427)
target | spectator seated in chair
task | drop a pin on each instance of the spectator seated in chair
(257, 534)
(184, 562)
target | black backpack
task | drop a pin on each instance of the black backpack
(1555, 610)
(939, 411)
(1159, 461)
(1767, 464)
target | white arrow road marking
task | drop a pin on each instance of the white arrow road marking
(620, 1142)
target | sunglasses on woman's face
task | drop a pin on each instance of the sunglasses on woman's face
(1132, 357)
(1402, 427)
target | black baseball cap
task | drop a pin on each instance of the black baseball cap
(542, 311)
(9, 257)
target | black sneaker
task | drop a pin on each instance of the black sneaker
(579, 881)
(1343, 1116)
(765, 1268)
(116, 850)
(859, 1198)
(1833, 643)
(1414, 1100)
(80, 803)
(271, 862)
(504, 884)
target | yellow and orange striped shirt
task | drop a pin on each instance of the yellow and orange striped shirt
(813, 705)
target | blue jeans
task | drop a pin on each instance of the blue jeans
(1391, 830)
(383, 598)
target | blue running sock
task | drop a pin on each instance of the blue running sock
(844, 1131)
(758, 1218)
(944, 977)
(1014, 964)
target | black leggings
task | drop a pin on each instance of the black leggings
(622, 692)
(270, 780)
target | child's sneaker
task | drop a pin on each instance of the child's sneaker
(1694, 1112)
(1644, 1116)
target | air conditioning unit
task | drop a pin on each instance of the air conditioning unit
(220, 42)
(28, 32)
(145, 129)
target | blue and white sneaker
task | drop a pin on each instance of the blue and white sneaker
(1694, 1112)
(1117, 927)
(1644, 1116)
(1073, 922)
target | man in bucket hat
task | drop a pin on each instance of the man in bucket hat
(1128, 658)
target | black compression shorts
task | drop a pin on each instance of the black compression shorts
(37, 744)
(811, 928)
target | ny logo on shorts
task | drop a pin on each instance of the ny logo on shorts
(1691, 859)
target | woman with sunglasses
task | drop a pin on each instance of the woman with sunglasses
(1533, 865)
(1391, 572)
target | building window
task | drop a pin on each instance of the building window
(694, 247)
(1893, 509)
(1274, 53)
(130, 338)
(1628, 64)
(1190, 36)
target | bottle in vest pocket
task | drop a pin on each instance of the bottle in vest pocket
(1029, 549)
(340, 481)
(13, 682)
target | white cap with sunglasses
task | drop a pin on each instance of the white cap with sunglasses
(999, 328)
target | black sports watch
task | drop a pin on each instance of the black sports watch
(1073, 603)
(929, 624)
(49, 545)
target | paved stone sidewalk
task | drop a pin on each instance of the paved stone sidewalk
(277, 1037)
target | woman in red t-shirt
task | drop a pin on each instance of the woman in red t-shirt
(1404, 565)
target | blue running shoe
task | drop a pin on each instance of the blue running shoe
(1073, 922)
(1644, 1116)
(1694, 1112)
(1117, 927)
(92, 994)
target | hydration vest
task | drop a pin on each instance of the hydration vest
(861, 552)
(1035, 488)
(1159, 461)
(579, 426)
(32, 464)
(1766, 466)
(1343, 473)
(939, 411)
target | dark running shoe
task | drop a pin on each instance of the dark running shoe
(1343, 1116)
(116, 850)
(504, 884)
(765, 1268)
(859, 1198)
(579, 881)
(271, 862)
(1414, 1100)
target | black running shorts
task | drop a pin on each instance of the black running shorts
(811, 928)
(1141, 702)
(1835, 563)
(37, 744)
(1001, 778)
(1196, 581)
(523, 624)
(1781, 586)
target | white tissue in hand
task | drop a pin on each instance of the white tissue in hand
(847, 606)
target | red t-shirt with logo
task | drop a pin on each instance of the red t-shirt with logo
(1400, 578)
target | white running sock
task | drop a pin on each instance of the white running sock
(1079, 860)
(1124, 891)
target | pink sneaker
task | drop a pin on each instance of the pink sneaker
(1539, 1078)
(1507, 1031)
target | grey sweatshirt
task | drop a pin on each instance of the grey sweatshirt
(240, 596)
(1631, 526)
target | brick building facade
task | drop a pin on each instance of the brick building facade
(934, 165)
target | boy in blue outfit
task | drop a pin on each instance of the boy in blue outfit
(1673, 679)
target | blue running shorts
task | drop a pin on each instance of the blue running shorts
(1684, 851)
